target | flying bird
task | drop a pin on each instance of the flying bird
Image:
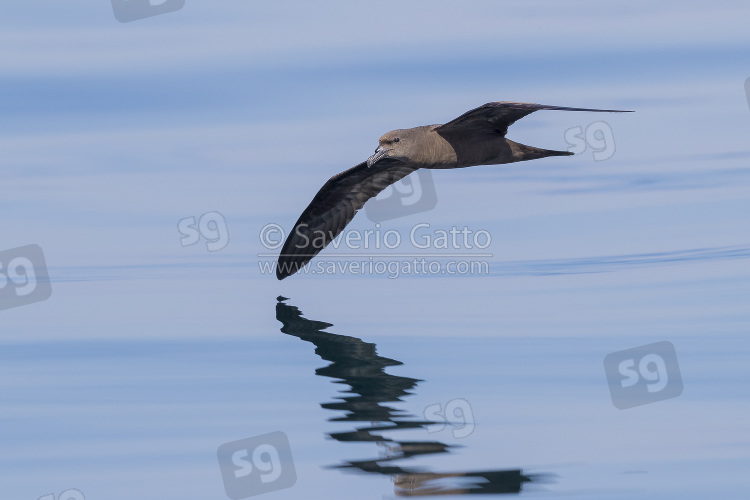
(477, 137)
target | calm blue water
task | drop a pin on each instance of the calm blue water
(151, 161)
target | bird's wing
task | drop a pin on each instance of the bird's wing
(333, 207)
(498, 116)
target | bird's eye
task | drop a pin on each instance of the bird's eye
(395, 140)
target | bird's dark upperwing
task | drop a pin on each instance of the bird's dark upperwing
(333, 207)
(498, 116)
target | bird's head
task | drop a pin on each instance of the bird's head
(395, 144)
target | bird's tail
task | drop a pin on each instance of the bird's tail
(522, 152)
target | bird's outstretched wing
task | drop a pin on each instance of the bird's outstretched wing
(498, 116)
(333, 207)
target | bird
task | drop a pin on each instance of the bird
(477, 137)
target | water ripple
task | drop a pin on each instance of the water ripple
(610, 263)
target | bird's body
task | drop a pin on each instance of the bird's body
(427, 148)
(475, 138)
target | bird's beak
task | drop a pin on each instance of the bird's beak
(379, 153)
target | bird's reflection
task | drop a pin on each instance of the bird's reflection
(356, 363)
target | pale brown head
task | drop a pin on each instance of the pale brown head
(401, 144)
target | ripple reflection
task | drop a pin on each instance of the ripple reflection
(357, 364)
